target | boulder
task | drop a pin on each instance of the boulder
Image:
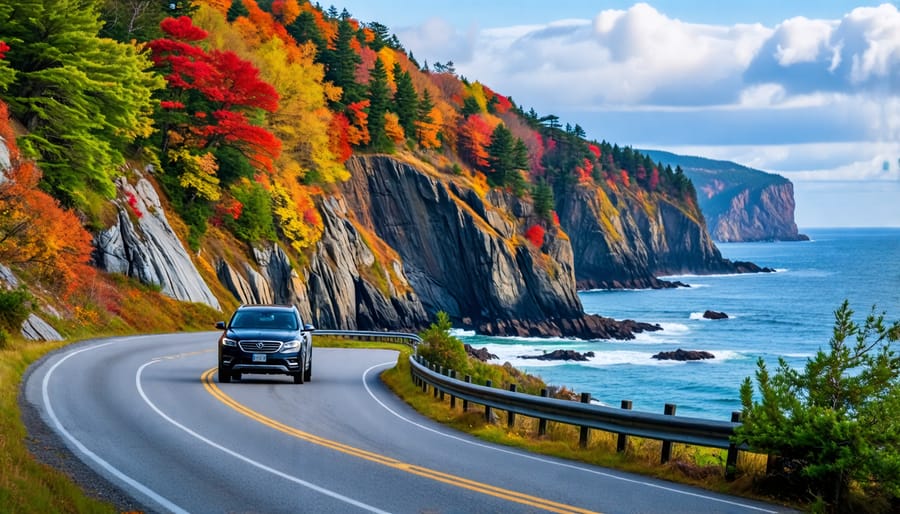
(714, 315)
(684, 355)
(483, 354)
(560, 355)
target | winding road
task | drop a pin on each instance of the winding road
(147, 414)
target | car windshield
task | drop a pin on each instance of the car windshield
(264, 319)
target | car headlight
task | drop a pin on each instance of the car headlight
(228, 342)
(291, 345)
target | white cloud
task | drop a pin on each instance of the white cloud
(801, 40)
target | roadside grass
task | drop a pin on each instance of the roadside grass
(692, 465)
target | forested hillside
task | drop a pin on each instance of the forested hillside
(245, 114)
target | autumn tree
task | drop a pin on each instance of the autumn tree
(428, 122)
(341, 62)
(474, 137)
(84, 99)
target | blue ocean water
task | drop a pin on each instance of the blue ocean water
(786, 314)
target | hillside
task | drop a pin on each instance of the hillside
(225, 152)
(739, 203)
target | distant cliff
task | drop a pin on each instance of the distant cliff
(739, 203)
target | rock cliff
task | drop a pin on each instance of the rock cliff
(739, 203)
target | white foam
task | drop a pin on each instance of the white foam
(602, 357)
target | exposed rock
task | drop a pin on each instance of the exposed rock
(36, 329)
(714, 315)
(588, 326)
(684, 355)
(560, 355)
(483, 354)
(8, 278)
(738, 202)
(143, 245)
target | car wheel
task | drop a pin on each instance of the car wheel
(224, 375)
(307, 375)
(299, 375)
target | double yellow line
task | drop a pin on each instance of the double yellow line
(438, 476)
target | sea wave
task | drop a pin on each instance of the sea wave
(602, 358)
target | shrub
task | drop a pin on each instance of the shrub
(831, 428)
(441, 348)
(15, 306)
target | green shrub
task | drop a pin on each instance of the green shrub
(15, 306)
(441, 348)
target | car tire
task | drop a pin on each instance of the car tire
(307, 375)
(224, 375)
(235, 376)
(300, 374)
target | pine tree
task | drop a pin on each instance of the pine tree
(304, 29)
(379, 101)
(83, 98)
(405, 100)
(237, 10)
(341, 62)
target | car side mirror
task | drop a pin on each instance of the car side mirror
(220, 325)
(308, 328)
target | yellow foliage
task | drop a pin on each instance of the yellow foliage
(386, 54)
(198, 173)
(392, 127)
(298, 219)
(480, 184)
(427, 131)
(477, 92)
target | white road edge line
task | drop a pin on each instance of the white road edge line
(543, 460)
(45, 395)
(309, 485)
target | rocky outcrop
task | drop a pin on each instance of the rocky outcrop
(36, 329)
(708, 314)
(481, 354)
(142, 244)
(738, 202)
(560, 355)
(463, 255)
(684, 355)
(625, 244)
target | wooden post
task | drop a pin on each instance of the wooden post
(487, 408)
(585, 431)
(510, 415)
(424, 383)
(667, 445)
(622, 442)
(441, 393)
(434, 389)
(452, 397)
(731, 458)
(542, 423)
(468, 379)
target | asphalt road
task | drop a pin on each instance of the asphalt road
(147, 414)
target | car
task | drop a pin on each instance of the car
(265, 339)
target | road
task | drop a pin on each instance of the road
(146, 413)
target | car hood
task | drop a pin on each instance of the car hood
(256, 333)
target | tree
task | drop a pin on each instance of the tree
(440, 348)
(237, 10)
(405, 100)
(84, 99)
(379, 101)
(833, 425)
(341, 62)
(428, 122)
(507, 156)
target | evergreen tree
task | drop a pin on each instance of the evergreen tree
(83, 98)
(405, 100)
(341, 63)
(379, 102)
(304, 29)
(381, 33)
(237, 10)
(424, 107)
(507, 156)
(542, 195)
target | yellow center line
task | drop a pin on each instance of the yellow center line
(432, 474)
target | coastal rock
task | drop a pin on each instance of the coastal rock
(560, 355)
(142, 244)
(481, 354)
(714, 315)
(684, 355)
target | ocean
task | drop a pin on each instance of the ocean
(787, 314)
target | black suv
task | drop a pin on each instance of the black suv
(269, 339)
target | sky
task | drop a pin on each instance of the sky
(808, 89)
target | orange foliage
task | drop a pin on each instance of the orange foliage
(474, 137)
(339, 138)
(392, 127)
(286, 11)
(36, 232)
(535, 234)
(594, 150)
(626, 180)
(358, 130)
(427, 131)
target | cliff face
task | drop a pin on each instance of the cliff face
(619, 243)
(739, 203)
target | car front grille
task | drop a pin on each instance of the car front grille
(260, 346)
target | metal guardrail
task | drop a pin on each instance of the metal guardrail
(667, 428)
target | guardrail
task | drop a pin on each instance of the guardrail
(667, 427)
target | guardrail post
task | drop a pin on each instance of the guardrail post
(667, 445)
(622, 443)
(487, 408)
(441, 393)
(510, 415)
(424, 383)
(585, 431)
(434, 389)
(731, 457)
(468, 379)
(452, 397)
(542, 422)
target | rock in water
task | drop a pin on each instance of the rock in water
(715, 315)
(684, 355)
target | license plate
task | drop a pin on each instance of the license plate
(259, 357)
